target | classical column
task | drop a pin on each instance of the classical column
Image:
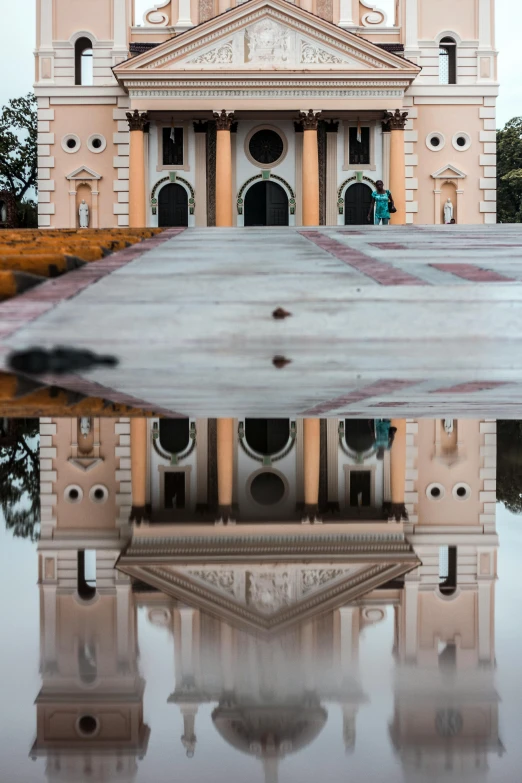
(396, 509)
(200, 136)
(310, 168)
(397, 184)
(225, 467)
(137, 211)
(386, 141)
(224, 120)
(312, 451)
(331, 129)
(298, 173)
(140, 511)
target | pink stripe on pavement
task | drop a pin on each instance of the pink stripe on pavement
(376, 389)
(379, 271)
(469, 388)
(475, 274)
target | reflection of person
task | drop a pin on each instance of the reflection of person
(382, 201)
(384, 435)
(83, 213)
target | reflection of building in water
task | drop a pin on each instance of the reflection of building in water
(446, 705)
(270, 544)
(90, 706)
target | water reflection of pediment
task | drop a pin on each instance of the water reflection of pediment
(267, 580)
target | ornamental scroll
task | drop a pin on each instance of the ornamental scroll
(155, 17)
(372, 17)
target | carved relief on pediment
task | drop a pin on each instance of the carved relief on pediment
(269, 42)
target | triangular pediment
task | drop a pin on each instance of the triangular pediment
(83, 173)
(267, 35)
(256, 582)
(85, 464)
(448, 172)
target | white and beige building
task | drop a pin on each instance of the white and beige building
(265, 112)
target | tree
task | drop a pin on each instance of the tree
(20, 475)
(509, 465)
(509, 172)
(18, 154)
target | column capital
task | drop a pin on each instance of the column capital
(396, 119)
(385, 125)
(200, 126)
(137, 120)
(224, 119)
(309, 119)
(331, 126)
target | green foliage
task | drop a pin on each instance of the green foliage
(509, 465)
(18, 146)
(20, 476)
(509, 172)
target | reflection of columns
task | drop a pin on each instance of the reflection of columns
(348, 638)
(271, 769)
(396, 509)
(227, 653)
(411, 613)
(200, 136)
(225, 466)
(48, 627)
(187, 614)
(307, 655)
(332, 462)
(123, 610)
(310, 168)
(140, 511)
(386, 141)
(224, 121)
(397, 186)
(137, 123)
(485, 624)
(349, 726)
(312, 453)
(331, 173)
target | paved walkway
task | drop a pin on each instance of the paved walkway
(406, 320)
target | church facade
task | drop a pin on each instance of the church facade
(265, 112)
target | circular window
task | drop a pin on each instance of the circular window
(461, 141)
(98, 493)
(435, 492)
(461, 491)
(73, 494)
(267, 488)
(265, 147)
(96, 143)
(87, 725)
(71, 143)
(435, 141)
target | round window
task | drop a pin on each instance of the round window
(435, 492)
(266, 147)
(461, 141)
(73, 494)
(267, 488)
(71, 143)
(435, 141)
(461, 491)
(98, 493)
(87, 725)
(96, 143)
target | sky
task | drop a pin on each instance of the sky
(18, 34)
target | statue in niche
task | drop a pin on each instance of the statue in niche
(3, 212)
(448, 426)
(448, 212)
(85, 425)
(83, 213)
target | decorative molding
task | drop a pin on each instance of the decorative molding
(83, 173)
(137, 120)
(372, 17)
(396, 119)
(155, 17)
(309, 119)
(448, 172)
(224, 120)
(274, 92)
(221, 55)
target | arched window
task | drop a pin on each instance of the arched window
(448, 569)
(83, 72)
(174, 435)
(267, 436)
(447, 61)
(87, 574)
(359, 434)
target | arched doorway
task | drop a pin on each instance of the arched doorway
(173, 206)
(357, 201)
(266, 204)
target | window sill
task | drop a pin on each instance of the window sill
(185, 167)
